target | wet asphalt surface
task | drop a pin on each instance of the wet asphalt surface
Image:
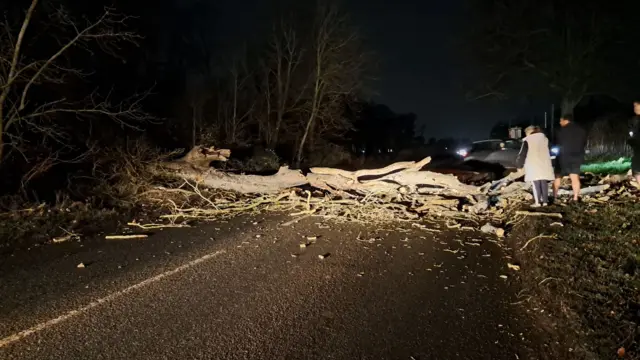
(246, 289)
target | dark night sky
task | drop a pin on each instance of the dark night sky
(420, 66)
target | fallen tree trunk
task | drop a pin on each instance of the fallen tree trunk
(245, 184)
(402, 177)
(400, 190)
(202, 157)
(354, 175)
(195, 166)
(398, 178)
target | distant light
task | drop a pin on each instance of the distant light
(462, 152)
(555, 150)
(631, 133)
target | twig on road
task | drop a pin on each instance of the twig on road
(530, 213)
(126, 237)
(534, 239)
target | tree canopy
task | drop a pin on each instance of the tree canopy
(568, 49)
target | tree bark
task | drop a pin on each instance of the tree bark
(304, 138)
(200, 157)
(245, 184)
(1, 133)
(193, 126)
(569, 103)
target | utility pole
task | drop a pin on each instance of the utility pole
(545, 120)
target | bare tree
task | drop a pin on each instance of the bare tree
(21, 72)
(551, 45)
(284, 87)
(198, 94)
(237, 102)
(196, 60)
(337, 65)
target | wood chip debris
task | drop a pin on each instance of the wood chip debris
(490, 229)
(513, 267)
(68, 236)
(61, 239)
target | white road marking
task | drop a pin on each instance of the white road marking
(44, 325)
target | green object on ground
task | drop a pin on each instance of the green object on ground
(619, 166)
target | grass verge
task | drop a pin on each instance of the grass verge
(584, 279)
(35, 225)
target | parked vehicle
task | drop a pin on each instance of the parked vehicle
(495, 151)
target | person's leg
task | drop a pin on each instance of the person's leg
(535, 189)
(556, 185)
(575, 185)
(544, 192)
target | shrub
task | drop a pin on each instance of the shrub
(260, 161)
(120, 174)
(607, 139)
(330, 155)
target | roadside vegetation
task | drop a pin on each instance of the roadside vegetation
(580, 277)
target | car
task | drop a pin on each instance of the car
(495, 151)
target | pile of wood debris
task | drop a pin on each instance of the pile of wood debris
(399, 192)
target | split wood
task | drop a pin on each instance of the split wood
(156, 226)
(126, 237)
(541, 236)
(530, 213)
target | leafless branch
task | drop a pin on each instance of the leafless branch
(338, 65)
(21, 74)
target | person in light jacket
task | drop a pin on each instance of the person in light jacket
(535, 158)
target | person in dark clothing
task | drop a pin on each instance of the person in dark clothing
(634, 141)
(571, 140)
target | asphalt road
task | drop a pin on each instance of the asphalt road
(246, 289)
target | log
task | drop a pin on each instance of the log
(409, 180)
(417, 179)
(354, 175)
(202, 157)
(246, 184)
(398, 178)
(494, 186)
(589, 190)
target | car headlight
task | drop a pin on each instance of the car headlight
(555, 150)
(462, 152)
